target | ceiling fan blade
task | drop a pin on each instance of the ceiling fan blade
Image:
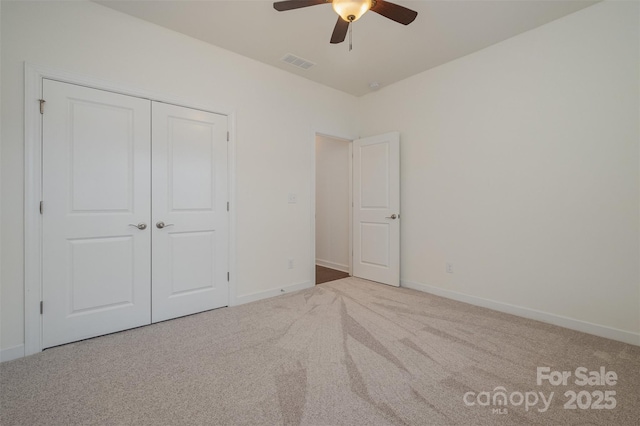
(281, 6)
(395, 12)
(340, 31)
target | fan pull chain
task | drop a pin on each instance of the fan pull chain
(351, 36)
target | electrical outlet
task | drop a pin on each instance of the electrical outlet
(449, 268)
(290, 263)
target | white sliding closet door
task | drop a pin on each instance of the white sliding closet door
(96, 267)
(190, 218)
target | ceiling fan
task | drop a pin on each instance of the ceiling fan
(352, 10)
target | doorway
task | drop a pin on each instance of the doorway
(333, 208)
(372, 228)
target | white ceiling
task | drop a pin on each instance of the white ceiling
(383, 51)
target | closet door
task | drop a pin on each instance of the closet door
(96, 208)
(190, 218)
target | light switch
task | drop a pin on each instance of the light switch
(293, 198)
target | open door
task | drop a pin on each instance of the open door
(376, 208)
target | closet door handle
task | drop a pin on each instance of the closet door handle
(393, 216)
(161, 225)
(141, 226)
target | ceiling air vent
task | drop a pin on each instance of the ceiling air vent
(297, 61)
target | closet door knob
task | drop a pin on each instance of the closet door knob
(141, 226)
(393, 216)
(161, 225)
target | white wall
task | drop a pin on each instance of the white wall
(1, 292)
(332, 203)
(520, 166)
(276, 115)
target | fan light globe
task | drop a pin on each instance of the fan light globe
(351, 8)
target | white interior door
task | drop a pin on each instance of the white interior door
(96, 179)
(112, 258)
(190, 218)
(376, 208)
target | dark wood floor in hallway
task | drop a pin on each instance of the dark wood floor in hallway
(324, 275)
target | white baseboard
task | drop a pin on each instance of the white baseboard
(566, 322)
(247, 298)
(332, 265)
(14, 352)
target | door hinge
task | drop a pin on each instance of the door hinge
(227, 276)
(227, 206)
(227, 136)
(41, 203)
(41, 307)
(42, 101)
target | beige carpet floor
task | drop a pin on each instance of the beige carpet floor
(349, 352)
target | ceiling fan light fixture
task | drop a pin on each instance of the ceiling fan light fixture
(351, 10)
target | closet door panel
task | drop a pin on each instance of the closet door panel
(190, 218)
(96, 184)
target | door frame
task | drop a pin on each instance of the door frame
(33, 76)
(349, 140)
